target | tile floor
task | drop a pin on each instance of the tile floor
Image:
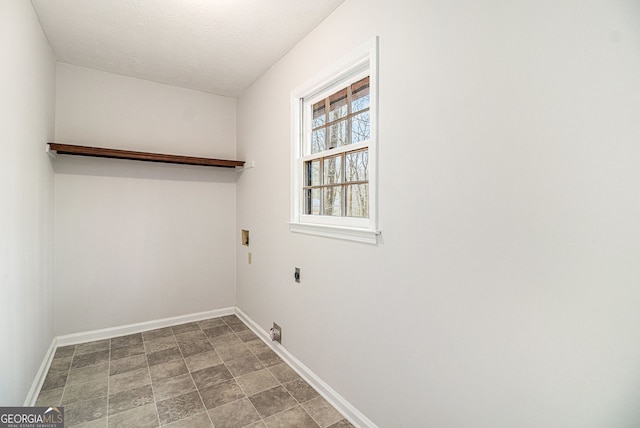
(211, 373)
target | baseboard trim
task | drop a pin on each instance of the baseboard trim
(356, 417)
(32, 396)
(108, 333)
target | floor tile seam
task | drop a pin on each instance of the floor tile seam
(233, 401)
(299, 402)
(200, 352)
(274, 375)
(257, 392)
(64, 387)
(314, 419)
(213, 346)
(276, 386)
(84, 400)
(108, 374)
(214, 350)
(184, 361)
(66, 379)
(153, 393)
(153, 329)
(259, 340)
(289, 408)
(254, 408)
(92, 398)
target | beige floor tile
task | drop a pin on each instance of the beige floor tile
(140, 417)
(88, 374)
(235, 414)
(129, 380)
(84, 391)
(294, 417)
(322, 412)
(173, 387)
(201, 420)
(181, 407)
(272, 401)
(257, 381)
(284, 373)
(202, 361)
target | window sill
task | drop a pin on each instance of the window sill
(339, 232)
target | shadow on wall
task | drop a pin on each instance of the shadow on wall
(99, 167)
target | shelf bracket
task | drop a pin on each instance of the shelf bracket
(247, 165)
(50, 152)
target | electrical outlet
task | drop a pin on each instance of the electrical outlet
(296, 275)
(276, 333)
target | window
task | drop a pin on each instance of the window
(334, 142)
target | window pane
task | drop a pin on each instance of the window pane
(318, 140)
(338, 105)
(333, 200)
(338, 134)
(332, 170)
(319, 114)
(312, 173)
(360, 127)
(360, 95)
(357, 200)
(312, 201)
(357, 166)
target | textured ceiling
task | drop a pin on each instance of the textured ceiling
(216, 46)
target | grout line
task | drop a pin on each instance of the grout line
(184, 360)
(193, 380)
(153, 393)
(292, 407)
(298, 403)
(66, 380)
(108, 381)
(234, 377)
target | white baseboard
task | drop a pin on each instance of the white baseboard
(108, 333)
(336, 400)
(32, 396)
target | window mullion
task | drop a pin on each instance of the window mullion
(349, 95)
(344, 186)
(326, 126)
(321, 186)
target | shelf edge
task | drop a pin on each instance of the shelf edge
(70, 149)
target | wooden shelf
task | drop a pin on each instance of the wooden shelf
(69, 149)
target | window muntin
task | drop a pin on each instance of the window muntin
(336, 178)
(342, 118)
(338, 185)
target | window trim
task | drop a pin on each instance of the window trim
(363, 60)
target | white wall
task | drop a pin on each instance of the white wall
(504, 290)
(138, 241)
(27, 85)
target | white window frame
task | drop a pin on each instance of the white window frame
(360, 63)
